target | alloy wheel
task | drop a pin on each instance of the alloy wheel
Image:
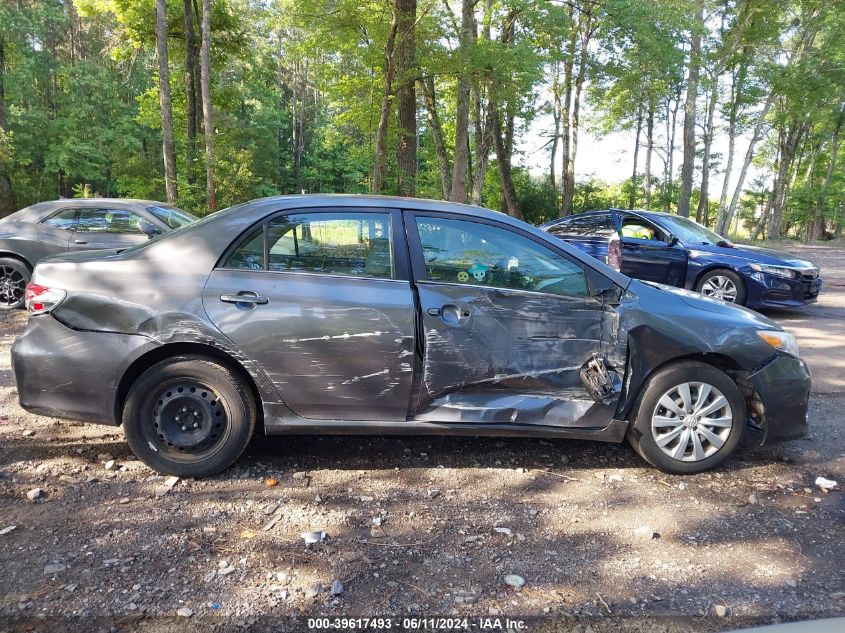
(691, 421)
(720, 287)
(12, 286)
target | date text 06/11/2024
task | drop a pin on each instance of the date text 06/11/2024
(417, 624)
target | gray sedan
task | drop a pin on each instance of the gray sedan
(345, 314)
(61, 226)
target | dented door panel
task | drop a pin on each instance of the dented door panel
(333, 346)
(504, 356)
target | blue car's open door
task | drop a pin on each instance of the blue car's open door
(648, 252)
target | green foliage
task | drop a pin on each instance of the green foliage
(81, 92)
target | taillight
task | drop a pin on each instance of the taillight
(41, 299)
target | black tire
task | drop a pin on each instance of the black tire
(14, 275)
(642, 438)
(735, 278)
(217, 411)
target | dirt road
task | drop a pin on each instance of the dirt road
(426, 527)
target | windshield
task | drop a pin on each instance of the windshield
(690, 231)
(173, 217)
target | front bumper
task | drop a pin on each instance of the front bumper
(66, 373)
(783, 387)
(773, 291)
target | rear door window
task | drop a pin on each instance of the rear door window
(65, 220)
(108, 221)
(356, 244)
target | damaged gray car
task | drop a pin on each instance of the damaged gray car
(353, 315)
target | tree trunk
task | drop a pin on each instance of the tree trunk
(205, 86)
(503, 160)
(461, 166)
(429, 96)
(738, 80)
(632, 199)
(7, 199)
(671, 128)
(557, 106)
(791, 142)
(168, 146)
(818, 214)
(586, 20)
(721, 229)
(190, 91)
(688, 166)
(566, 109)
(377, 179)
(406, 152)
(703, 211)
(648, 153)
(483, 145)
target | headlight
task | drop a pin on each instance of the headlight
(780, 271)
(783, 341)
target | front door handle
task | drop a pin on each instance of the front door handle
(80, 241)
(246, 297)
(453, 314)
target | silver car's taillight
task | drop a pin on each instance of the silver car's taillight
(41, 299)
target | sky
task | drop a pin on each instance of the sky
(611, 157)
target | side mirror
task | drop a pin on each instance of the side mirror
(673, 239)
(148, 228)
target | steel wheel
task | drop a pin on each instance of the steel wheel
(720, 287)
(12, 286)
(188, 420)
(692, 421)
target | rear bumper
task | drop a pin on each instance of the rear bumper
(66, 373)
(783, 386)
(771, 291)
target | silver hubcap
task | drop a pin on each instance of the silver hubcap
(691, 421)
(719, 287)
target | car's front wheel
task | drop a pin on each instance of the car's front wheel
(722, 284)
(190, 416)
(14, 275)
(689, 417)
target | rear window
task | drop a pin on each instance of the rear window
(594, 225)
(172, 217)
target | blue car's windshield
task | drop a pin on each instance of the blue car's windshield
(690, 231)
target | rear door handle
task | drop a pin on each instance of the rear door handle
(80, 241)
(247, 297)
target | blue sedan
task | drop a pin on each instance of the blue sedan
(673, 250)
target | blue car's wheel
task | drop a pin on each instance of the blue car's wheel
(722, 284)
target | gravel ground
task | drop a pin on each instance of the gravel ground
(426, 526)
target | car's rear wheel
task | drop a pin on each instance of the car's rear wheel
(722, 284)
(14, 275)
(190, 416)
(689, 417)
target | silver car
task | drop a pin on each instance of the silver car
(62, 226)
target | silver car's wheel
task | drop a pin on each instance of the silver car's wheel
(720, 287)
(692, 421)
(14, 276)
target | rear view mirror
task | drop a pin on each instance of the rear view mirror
(148, 228)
